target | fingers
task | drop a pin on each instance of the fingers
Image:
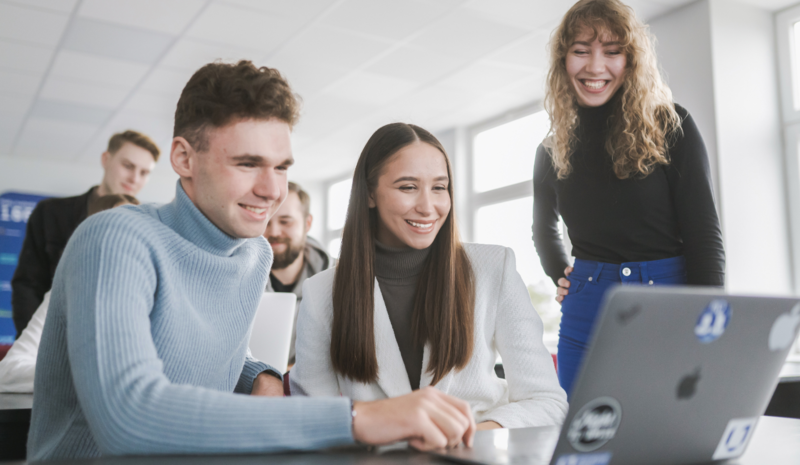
(559, 298)
(429, 437)
(568, 270)
(563, 282)
(463, 408)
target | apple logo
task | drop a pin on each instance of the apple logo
(783, 330)
(688, 385)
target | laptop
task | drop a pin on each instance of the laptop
(673, 375)
(271, 335)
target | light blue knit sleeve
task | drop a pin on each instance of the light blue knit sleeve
(130, 405)
(252, 368)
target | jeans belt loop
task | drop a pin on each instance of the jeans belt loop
(643, 272)
(596, 274)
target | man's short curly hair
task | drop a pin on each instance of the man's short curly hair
(218, 93)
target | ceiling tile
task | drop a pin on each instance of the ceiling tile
(306, 9)
(225, 24)
(29, 25)
(430, 102)
(166, 80)
(43, 138)
(483, 78)
(55, 110)
(371, 88)
(522, 14)
(64, 6)
(82, 93)
(387, 18)
(467, 35)
(115, 41)
(117, 73)
(156, 103)
(532, 52)
(157, 128)
(168, 16)
(326, 46)
(28, 58)
(15, 104)
(190, 55)
(325, 114)
(417, 64)
(19, 83)
(307, 79)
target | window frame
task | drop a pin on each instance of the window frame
(330, 234)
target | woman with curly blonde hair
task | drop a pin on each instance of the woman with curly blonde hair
(626, 169)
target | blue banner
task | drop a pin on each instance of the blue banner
(14, 212)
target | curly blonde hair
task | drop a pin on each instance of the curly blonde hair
(643, 122)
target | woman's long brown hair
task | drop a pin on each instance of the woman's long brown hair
(445, 298)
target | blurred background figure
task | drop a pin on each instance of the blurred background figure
(296, 257)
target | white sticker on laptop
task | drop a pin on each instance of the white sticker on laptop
(595, 424)
(783, 330)
(713, 321)
(594, 458)
(735, 439)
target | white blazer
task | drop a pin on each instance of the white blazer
(505, 323)
(19, 365)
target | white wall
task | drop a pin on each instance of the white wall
(60, 179)
(719, 59)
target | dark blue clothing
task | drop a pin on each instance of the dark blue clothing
(588, 284)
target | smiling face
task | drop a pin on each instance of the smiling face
(127, 171)
(241, 180)
(596, 67)
(412, 197)
(287, 231)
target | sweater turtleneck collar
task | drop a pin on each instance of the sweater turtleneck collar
(182, 216)
(598, 115)
(399, 263)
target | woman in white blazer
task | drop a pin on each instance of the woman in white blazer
(409, 306)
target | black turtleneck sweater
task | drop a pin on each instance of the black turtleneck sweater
(670, 212)
(397, 271)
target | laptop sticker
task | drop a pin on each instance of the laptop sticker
(595, 424)
(713, 321)
(783, 330)
(595, 458)
(734, 440)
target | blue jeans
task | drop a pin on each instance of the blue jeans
(588, 283)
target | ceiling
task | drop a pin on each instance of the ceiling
(73, 72)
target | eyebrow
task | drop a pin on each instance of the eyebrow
(412, 178)
(259, 160)
(604, 44)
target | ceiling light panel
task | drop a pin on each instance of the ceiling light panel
(115, 41)
(190, 55)
(26, 58)
(30, 25)
(225, 24)
(304, 9)
(167, 16)
(91, 68)
(387, 18)
(63, 6)
(326, 46)
(467, 35)
(80, 92)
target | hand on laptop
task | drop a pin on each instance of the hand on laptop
(563, 285)
(267, 385)
(427, 418)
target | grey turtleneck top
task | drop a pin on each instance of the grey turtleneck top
(398, 270)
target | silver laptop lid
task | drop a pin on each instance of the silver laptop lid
(675, 375)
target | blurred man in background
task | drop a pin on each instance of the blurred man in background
(127, 163)
(296, 257)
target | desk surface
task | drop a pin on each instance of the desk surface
(776, 441)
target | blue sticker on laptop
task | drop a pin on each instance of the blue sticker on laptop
(595, 424)
(595, 458)
(713, 321)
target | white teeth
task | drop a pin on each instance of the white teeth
(255, 210)
(594, 84)
(420, 225)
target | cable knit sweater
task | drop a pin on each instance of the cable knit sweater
(505, 323)
(146, 341)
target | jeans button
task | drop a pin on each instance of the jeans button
(626, 271)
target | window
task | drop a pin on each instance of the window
(501, 201)
(338, 198)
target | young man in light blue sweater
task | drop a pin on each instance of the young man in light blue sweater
(144, 350)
